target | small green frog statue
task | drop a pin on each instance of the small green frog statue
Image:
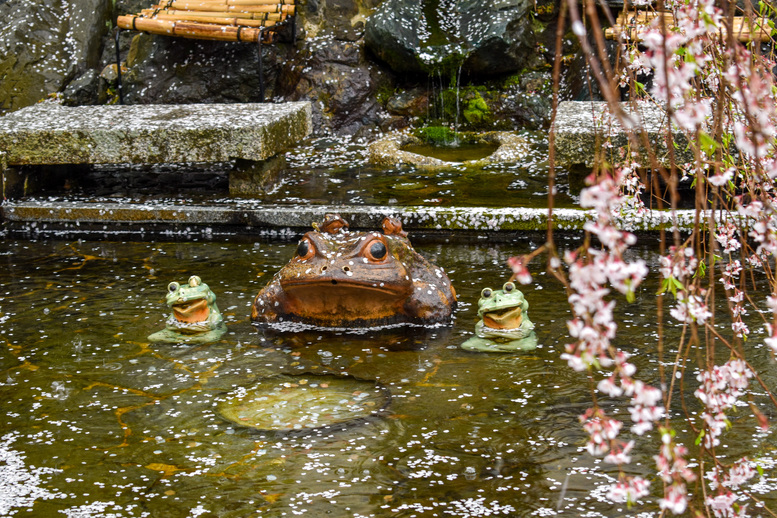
(504, 325)
(195, 318)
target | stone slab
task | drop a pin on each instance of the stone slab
(49, 133)
(582, 128)
(246, 216)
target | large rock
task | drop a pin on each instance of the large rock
(488, 37)
(341, 84)
(165, 70)
(44, 45)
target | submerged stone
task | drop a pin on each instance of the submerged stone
(288, 403)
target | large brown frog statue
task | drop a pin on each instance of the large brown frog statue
(344, 279)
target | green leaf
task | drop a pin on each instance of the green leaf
(701, 269)
(699, 438)
(707, 143)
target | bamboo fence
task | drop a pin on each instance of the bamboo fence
(744, 29)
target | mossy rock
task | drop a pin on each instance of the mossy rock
(476, 111)
(436, 135)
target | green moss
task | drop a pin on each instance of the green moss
(435, 134)
(384, 92)
(513, 80)
(476, 110)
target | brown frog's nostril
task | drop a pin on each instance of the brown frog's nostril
(323, 268)
(346, 269)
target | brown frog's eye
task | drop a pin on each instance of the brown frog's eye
(305, 250)
(173, 287)
(486, 293)
(376, 250)
(509, 287)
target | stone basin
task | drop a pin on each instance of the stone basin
(389, 150)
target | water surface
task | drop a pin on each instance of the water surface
(100, 422)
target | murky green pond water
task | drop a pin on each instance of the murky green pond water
(459, 153)
(99, 422)
(328, 171)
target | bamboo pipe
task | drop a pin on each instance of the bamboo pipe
(232, 22)
(225, 3)
(190, 29)
(217, 7)
(150, 13)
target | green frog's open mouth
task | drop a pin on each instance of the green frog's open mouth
(503, 318)
(195, 310)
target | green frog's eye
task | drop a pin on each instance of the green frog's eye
(486, 293)
(509, 287)
(173, 287)
(376, 250)
(305, 249)
(194, 281)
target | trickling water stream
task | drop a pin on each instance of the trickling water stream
(99, 422)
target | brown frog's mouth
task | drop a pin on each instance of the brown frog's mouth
(331, 301)
(297, 286)
(191, 311)
(505, 318)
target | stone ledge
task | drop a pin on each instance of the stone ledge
(250, 216)
(582, 127)
(49, 133)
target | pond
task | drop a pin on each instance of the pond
(100, 422)
(325, 171)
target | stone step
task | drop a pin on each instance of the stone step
(245, 216)
(49, 133)
(584, 127)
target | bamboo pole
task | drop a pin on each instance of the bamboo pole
(220, 7)
(190, 29)
(224, 3)
(232, 22)
(150, 13)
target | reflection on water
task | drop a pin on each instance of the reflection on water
(99, 422)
